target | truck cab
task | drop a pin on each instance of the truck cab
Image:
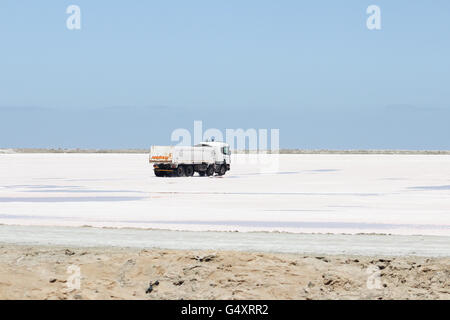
(222, 151)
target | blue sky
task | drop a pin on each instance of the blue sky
(137, 70)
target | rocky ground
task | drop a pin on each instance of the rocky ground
(44, 272)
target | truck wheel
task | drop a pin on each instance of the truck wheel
(210, 171)
(179, 172)
(222, 170)
(202, 173)
(159, 173)
(189, 171)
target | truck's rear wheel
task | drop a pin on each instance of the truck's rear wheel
(210, 171)
(179, 172)
(222, 170)
(189, 171)
(159, 173)
(202, 173)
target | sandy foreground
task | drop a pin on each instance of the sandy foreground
(50, 272)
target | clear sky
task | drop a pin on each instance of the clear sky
(137, 70)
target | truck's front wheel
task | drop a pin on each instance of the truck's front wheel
(222, 170)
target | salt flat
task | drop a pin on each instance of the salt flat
(396, 194)
(296, 243)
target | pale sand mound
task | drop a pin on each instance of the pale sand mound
(112, 273)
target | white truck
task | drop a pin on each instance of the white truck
(205, 158)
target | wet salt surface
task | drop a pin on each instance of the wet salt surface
(293, 224)
(308, 193)
(366, 245)
(69, 189)
(363, 227)
(70, 199)
(432, 187)
(275, 193)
